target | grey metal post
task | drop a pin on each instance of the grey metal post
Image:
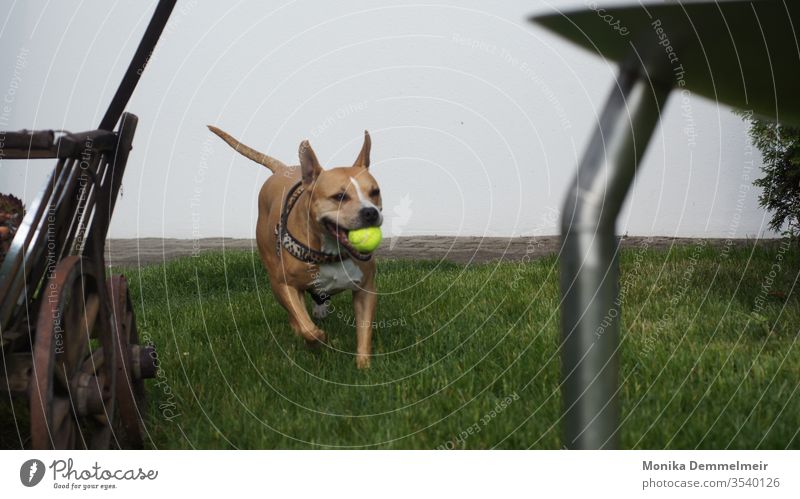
(589, 268)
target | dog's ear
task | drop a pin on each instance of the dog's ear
(363, 156)
(309, 164)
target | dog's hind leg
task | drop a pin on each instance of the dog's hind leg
(319, 309)
(292, 300)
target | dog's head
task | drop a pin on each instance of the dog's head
(342, 199)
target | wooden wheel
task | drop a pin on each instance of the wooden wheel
(72, 399)
(136, 363)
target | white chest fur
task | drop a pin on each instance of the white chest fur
(337, 276)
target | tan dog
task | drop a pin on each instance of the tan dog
(304, 215)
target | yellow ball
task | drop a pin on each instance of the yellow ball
(365, 240)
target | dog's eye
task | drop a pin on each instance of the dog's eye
(374, 193)
(340, 197)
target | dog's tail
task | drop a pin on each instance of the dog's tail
(248, 152)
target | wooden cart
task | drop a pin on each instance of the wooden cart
(69, 339)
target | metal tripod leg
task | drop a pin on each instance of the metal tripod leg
(590, 307)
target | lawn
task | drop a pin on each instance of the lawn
(467, 356)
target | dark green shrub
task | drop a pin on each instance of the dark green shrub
(780, 185)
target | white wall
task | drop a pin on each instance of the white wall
(477, 117)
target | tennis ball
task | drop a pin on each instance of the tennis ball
(365, 240)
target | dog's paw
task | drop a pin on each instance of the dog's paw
(362, 361)
(315, 337)
(319, 311)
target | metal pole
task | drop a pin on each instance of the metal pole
(135, 69)
(589, 267)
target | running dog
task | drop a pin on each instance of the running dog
(304, 216)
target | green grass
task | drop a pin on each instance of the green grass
(700, 367)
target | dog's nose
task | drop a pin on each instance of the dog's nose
(369, 215)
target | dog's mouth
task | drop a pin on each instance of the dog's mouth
(340, 235)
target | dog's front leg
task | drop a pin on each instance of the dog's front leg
(364, 302)
(292, 300)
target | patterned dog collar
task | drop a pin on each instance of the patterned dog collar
(294, 247)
